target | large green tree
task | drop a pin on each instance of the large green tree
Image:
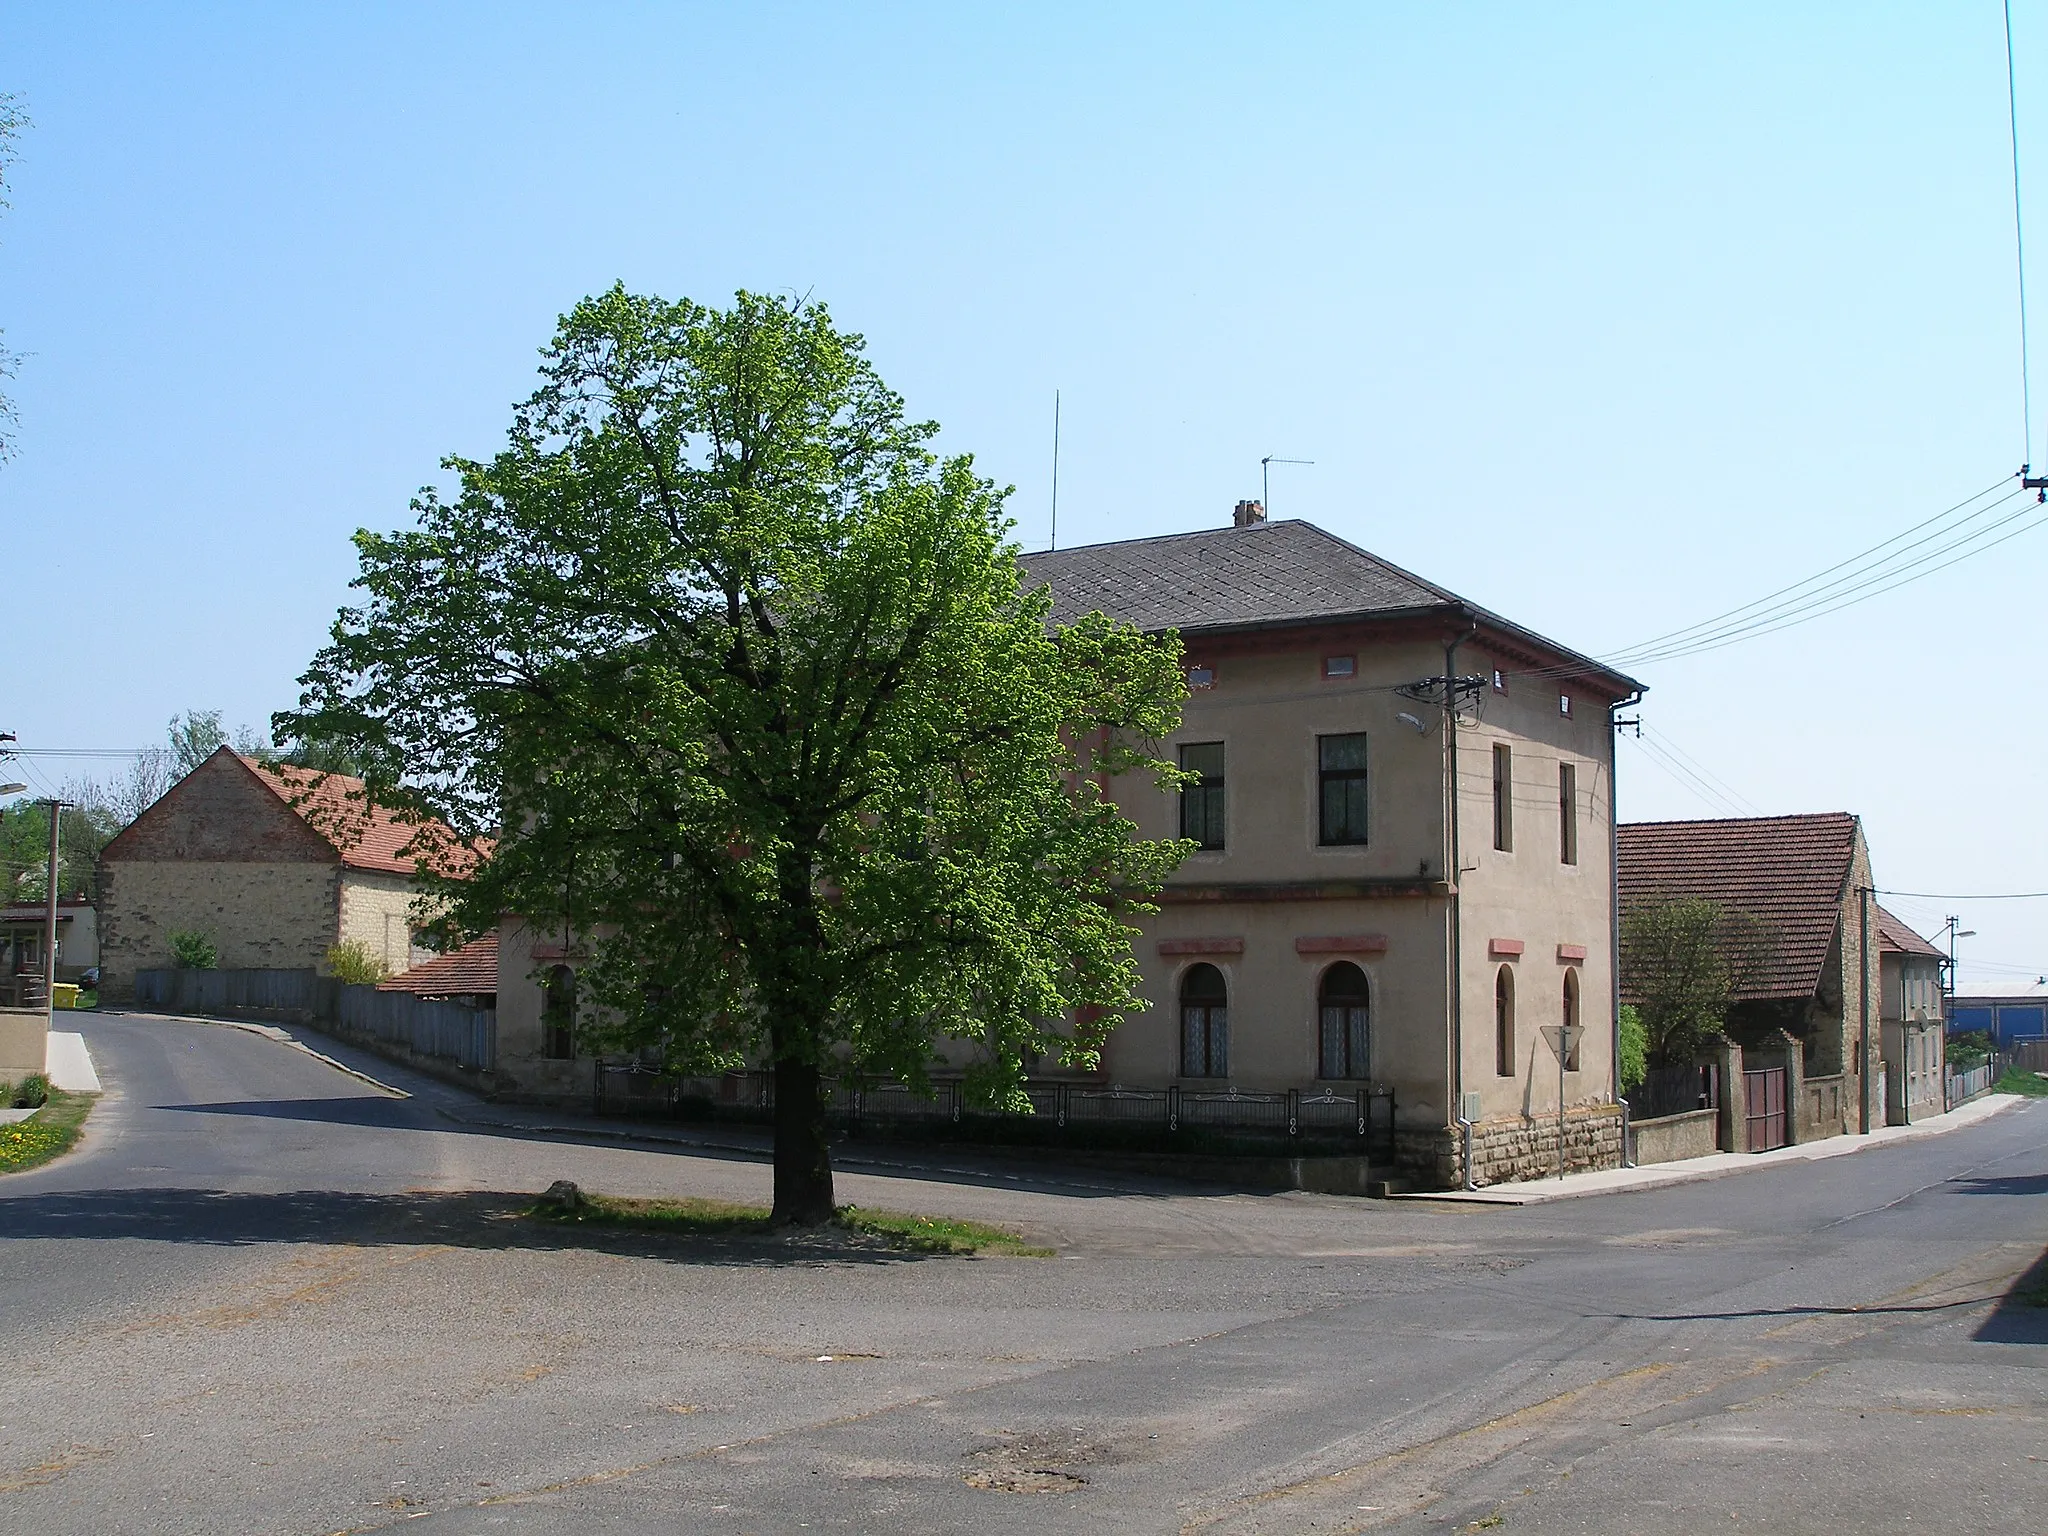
(739, 675)
(1685, 960)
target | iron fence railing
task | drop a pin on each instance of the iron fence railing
(1061, 1112)
(1674, 1091)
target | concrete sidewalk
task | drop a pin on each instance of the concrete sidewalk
(1614, 1181)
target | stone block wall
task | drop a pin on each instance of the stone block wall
(376, 910)
(1508, 1148)
(261, 916)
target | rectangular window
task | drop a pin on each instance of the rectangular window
(1201, 677)
(1503, 797)
(1340, 775)
(1567, 813)
(1564, 705)
(1340, 666)
(1201, 803)
(1500, 681)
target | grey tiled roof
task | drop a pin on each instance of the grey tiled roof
(1267, 573)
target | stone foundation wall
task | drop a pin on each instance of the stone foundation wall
(1509, 1148)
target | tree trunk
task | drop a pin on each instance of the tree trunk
(803, 1157)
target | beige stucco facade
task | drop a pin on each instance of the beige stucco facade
(1274, 909)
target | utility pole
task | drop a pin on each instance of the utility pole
(50, 918)
(1863, 894)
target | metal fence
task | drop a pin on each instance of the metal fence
(278, 991)
(1964, 1086)
(1072, 1113)
(1675, 1091)
(425, 1026)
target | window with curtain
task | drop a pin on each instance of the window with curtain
(1204, 1023)
(1346, 1009)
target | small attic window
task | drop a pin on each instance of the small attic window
(1201, 677)
(1340, 666)
(1500, 681)
(1564, 705)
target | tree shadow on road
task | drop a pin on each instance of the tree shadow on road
(485, 1221)
(2021, 1316)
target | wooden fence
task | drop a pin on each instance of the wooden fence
(425, 1026)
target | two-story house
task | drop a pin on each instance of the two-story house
(1404, 826)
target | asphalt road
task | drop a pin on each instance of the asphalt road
(266, 1296)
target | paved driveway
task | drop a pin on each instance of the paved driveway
(265, 1296)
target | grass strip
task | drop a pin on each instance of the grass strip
(689, 1216)
(31, 1143)
(2018, 1080)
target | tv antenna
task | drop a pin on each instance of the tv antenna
(1266, 478)
(1055, 469)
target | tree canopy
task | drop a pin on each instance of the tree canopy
(1685, 960)
(739, 675)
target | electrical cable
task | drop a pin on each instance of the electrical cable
(1979, 896)
(1747, 608)
(1895, 564)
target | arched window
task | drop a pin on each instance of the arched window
(558, 1016)
(1504, 1023)
(1346, 1023)
(1204, 1023)
(1569, 1014)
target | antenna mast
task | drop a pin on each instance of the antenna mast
(1266, 478)
(1055, 469)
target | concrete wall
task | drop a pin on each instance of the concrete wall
(24, 1042)
(1673, 1138)
(261, 916)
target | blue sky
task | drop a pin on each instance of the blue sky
(1608, 317)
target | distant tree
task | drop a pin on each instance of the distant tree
(741, 677)
(12, 120)
(1634, 1063)
(143, 783)
(194, 736)
(1685, 960)
(82, 830)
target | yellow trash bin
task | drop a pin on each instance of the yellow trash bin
(64, 994)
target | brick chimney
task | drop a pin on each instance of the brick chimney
(1248, 512)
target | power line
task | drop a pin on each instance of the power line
(1719, 620)
(1978, 896)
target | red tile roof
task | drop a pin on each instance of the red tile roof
(1894, 935)
(470, 969)
(338, 807)
(1792, 872)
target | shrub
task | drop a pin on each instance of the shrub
(1972, 1048)
(354, 965)
(33, 1092)
(1634, 1064)
(194, 952)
